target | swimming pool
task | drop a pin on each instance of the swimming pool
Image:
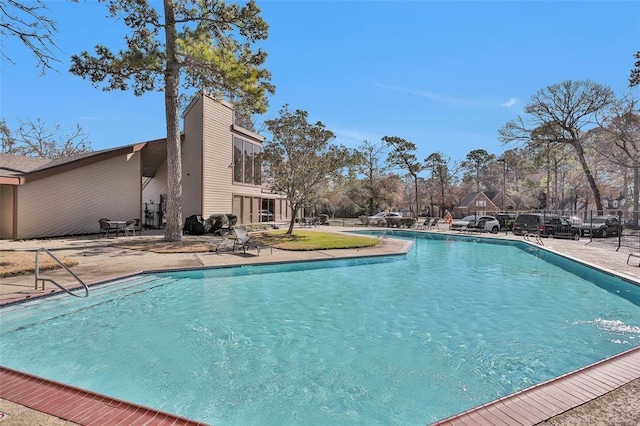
(393, 340)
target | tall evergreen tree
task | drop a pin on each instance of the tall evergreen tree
(403, 156)
(208, 42)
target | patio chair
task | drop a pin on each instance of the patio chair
(633, 255)
(243, 241)
(434, 223)
(130, 228)
(104, 227)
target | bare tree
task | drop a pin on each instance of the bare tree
(368, 158)
(568, 109)
(28, 22)
(442, 172)
(546, 152)
(622, 129)
(37, 139)
(299, 159)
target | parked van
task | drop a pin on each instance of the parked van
(545, 225)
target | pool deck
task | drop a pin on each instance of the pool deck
(606, 393)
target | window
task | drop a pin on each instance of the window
(481, 203)
(266, 213)
(237, 160)
(247, 163)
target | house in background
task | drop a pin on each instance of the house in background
(610, 205)
(221, 173)
(485, 202)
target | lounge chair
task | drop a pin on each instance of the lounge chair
(633, 255)
(243, 241)
(477, 227)
(424, 225)
(434, 223)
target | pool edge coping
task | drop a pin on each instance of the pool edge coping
(24, 299)
(404, 251)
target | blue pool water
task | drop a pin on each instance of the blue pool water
(402, 340)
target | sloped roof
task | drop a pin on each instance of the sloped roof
(17, 165)
(14, 166)
(492, 195)
(469, 198)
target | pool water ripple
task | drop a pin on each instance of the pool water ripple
(386, 341)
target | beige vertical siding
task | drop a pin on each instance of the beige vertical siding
(72, 202)
(192, 176)
(218, 155)
(6, 211)
(218, 187)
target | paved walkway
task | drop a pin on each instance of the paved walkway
(100, 259)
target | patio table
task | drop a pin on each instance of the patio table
(118, 224)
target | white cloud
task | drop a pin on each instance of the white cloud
(447, 99)
(354, 137)
(436, 97)
(511, 102)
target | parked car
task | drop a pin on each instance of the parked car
(545, 225)
(601, 226)
(265, 215)
(379, 219)
(575, 220)
(491, 224)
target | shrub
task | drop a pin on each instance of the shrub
(408, 222)
(216, 222)
(233, 219)
(400, 222)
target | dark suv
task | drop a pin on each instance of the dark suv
(545, 225)
(601, 226)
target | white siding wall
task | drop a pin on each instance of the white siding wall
(72, 202)
(192, 160)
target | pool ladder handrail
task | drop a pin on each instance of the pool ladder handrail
(536, 237)
(42, 249)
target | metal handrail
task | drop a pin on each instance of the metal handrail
(536, 236)
(86, 288)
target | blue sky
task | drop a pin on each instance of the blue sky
(444, 75)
